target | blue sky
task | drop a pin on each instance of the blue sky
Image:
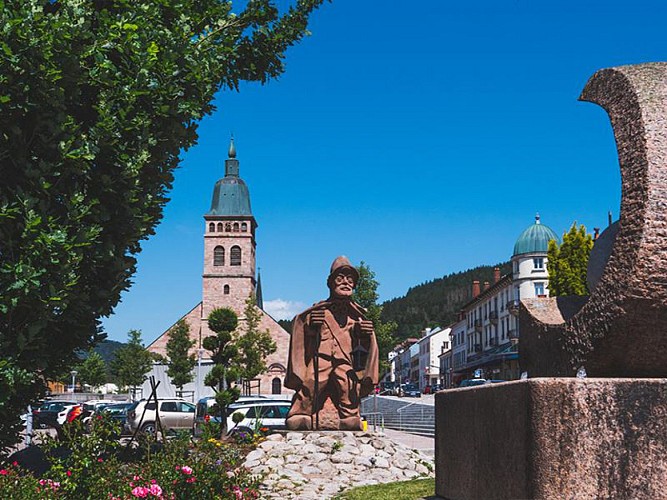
(419, 137)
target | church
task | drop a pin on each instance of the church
(228, 279)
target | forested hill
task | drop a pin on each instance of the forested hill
(437, 302)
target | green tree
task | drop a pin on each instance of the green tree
(365, 294)
(92, 370)
(179, 361)
(254, 345)
(238, 353)
(98, 98)
(131, 362)
(223, 323)
(567, 263)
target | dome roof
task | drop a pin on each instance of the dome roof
(230, 194)
(230, 197)
(535, 239)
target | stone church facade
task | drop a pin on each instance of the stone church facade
(229, 279)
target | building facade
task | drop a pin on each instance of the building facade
(485, 340)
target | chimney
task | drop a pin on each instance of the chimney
(475, 288)
(496, 275)
(486, 286)
(596, 235)
(609, 217)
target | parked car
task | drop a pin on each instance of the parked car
(411, 391)
(175, 414)
(471, 382)
(388, 388)
(46, 415)
(206, 412)
(117, 412)
(432, 389)
(269, 416)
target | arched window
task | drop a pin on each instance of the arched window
(225, 290)
(228, 227)
(244, 227)
(219, 256)
(276, 386)
(236, 227)
(235, 256)
(211, 228)
(219, 227)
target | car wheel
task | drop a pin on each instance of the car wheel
(148, 428)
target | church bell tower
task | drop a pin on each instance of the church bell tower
(229, 243)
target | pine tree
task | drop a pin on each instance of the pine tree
(567, 263)
(180, 363)
(365, 294)
(254, 345)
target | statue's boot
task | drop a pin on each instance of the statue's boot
(350, 424)
(299, 423)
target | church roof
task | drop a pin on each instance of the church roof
(230, 194)
(535, 239)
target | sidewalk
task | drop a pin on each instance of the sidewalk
(424, 444)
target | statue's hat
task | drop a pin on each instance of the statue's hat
(341, 263)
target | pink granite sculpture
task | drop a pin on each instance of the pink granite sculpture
(333, 360)
(620, 331)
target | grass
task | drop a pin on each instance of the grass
(404, 490)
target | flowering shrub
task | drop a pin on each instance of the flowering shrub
(97, 467)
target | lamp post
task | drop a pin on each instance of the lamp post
(200, 355)
(73, 373)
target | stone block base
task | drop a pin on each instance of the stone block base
(553, 438)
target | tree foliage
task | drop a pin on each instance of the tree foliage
(180, 363)
(92, 370)
(436, 302)
(97, 100)
(238, 353)
(365, 294)
(567, 263)
(131, 362)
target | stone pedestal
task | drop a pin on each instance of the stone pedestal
(553, 438)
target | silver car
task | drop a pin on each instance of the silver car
(175, 414)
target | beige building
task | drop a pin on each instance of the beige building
(228, 280)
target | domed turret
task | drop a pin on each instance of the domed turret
(535, 239)
(230, 194)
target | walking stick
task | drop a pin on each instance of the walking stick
(316, 367)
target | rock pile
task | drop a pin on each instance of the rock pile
(318, 465)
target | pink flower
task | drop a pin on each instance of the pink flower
(4, 472)
(69, 473)
(15, 463)
(140, 492)
(237, 492)
(100, 459)
(155, 490)
(190, 480)
(186, 470)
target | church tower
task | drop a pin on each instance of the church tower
(228, 280)
(229, 243)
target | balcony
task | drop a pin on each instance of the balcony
(478, 325)
(493, 317)
(513, 307)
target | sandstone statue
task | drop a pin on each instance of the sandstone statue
(333, 358)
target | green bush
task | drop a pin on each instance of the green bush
(98, 467)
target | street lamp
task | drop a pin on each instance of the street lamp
(73, 372)
(200, 355)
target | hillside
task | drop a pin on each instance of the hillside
(436, 302)
(107, 348)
